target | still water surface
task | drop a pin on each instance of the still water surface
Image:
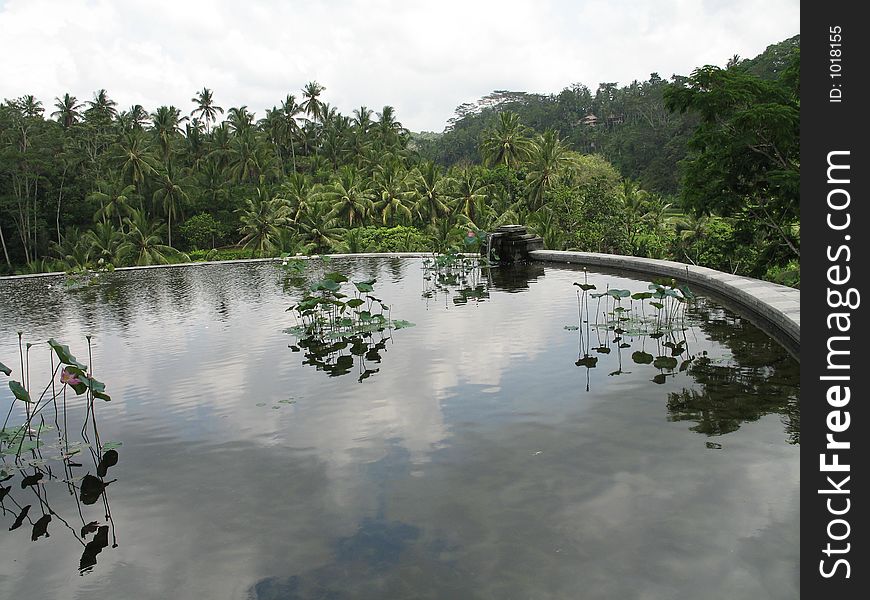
(475, 460)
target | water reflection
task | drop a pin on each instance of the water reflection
(338, 357)
(755, 380)
(455, 277)
(473, 465)
(41, 456)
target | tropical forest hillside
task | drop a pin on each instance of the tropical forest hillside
(701, 168)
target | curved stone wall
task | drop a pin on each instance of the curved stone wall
(779, 306)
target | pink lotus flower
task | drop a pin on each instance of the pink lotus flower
(67, 377)
(470, 234)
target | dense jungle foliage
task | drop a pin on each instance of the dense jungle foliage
(700, 168)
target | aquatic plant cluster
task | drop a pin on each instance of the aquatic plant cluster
(615, 324)
(334, 328)
(456, 275)
(30, 451)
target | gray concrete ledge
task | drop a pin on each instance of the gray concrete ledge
(778, 305)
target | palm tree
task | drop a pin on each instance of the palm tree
(389, 130)
(634, 199)
(689, 231)
(143, 244)
(105, 242)
(548, 159)
(362, 119)
(170, 195)
(291, 109)
(394, 196)
(68, 110)
(470, 194)
(240, 121)
(262, 220)
(114, 198)
(431, 187)
(166, 122)
(311, 103)
(508, 143)
(205, 107)
(134, 119)
(134, 158)
(30, 106)
(318, 230)
(220, 146)
(249, 159)
(349, 196)
(297, 192)
(102, 104)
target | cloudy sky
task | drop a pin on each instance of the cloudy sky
(424, 58)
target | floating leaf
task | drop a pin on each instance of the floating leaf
(40, 528)
(713, 446)
(603, 349)
(336, 277)
(401, 324)
(64, 355)
(571, 327)
(624, 345)
(5, 370)
(665, 362)
(19, 392)
(642, 358)
(687, 292)
(20, 518)
(326, 284)
(365, 286)
(91, 489)
(89, 528)
(31, 480)
(660, 378)
(112, 445)
(587, 361)
(110, 459)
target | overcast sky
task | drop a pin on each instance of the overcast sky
(423, 58)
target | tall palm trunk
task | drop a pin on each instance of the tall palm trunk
(3, 242)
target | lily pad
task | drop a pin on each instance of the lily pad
(665, 362)
(64, 355)
(19, 392)
(642, 358)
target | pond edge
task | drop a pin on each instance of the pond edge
(778, 306)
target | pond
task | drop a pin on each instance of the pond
(475, 454)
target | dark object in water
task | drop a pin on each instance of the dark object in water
(94, 547)
(20, 518)
(110, 459)
(92, 488)
(40, 528)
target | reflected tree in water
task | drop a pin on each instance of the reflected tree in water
(42, 454)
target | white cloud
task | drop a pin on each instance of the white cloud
(422, 58)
